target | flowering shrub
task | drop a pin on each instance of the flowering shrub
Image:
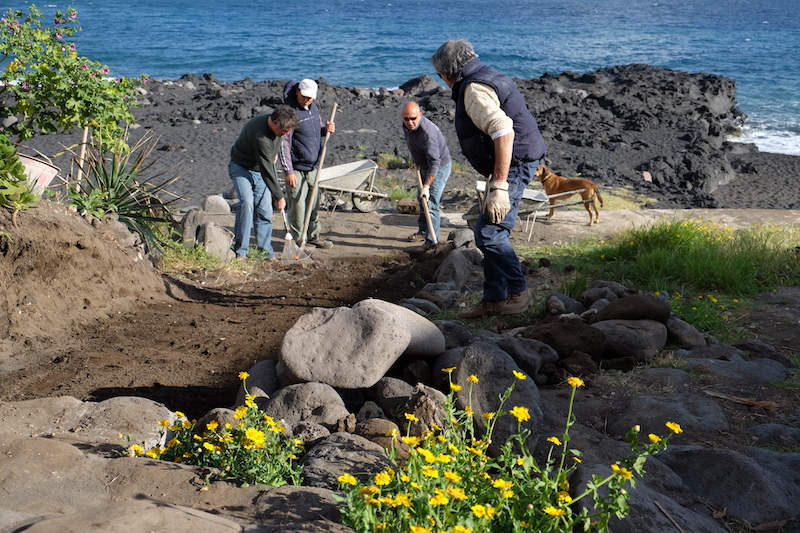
(449, 484)
(15, 194)
(53, 88)
(255, 451)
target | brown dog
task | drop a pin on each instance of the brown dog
(555, 184)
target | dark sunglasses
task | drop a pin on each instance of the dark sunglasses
(410, 119)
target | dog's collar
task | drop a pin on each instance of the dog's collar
(547, 178)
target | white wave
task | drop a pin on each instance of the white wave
(772, 140)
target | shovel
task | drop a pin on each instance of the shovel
(291, 252)
(431, 235)
(313, 196)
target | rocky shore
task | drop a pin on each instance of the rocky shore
(664, 134)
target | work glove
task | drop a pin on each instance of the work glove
(426, 192)
(497, 204)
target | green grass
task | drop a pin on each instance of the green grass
(706, 270)
(393, 162)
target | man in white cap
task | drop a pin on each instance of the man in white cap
(299, 157)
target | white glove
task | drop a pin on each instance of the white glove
(497, 204)
(426, 192)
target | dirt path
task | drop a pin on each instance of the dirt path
(186, 349)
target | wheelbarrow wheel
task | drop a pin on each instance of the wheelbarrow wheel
(365, 202)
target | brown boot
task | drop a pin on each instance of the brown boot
(517, 303)
(484, 309)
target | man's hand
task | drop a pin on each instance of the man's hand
(280, 205)
(497, 204)
(425, 192)
(330, 127)
(290, 180)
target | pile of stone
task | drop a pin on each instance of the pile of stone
(343, 398)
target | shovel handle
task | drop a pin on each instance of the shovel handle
(315, 188)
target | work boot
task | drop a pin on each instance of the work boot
(416, 237)
(517, 303)
(484, 309)
(321, 242)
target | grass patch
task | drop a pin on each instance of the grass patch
(393, 162)
(705, 269)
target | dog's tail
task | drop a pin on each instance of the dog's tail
(597, 193)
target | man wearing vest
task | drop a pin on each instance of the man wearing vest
(501, 140)
(299, 158)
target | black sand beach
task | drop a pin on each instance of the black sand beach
(609, 126)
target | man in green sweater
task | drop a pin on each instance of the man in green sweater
(255, 179)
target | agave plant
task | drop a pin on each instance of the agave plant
(119, 183)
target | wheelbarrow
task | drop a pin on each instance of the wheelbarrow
(533, 203)
(356, 178)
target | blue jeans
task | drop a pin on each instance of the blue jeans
(502, 271)
(255, 209)
(434, 202)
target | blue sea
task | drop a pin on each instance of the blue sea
(375, 43)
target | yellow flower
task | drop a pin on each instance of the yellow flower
(412, 417)
(382, 478)
(454, 387)
(186, 424)
(208, 446)
(392, 433)
(163, 423)
(461, 529)
(347, 479)
(439, 498)
(674, 427)
(624, 472)
(564, 497)
(575, 382)
(654, 438)
(451, 476)
(243, 375)
(430, 472)
(368, 490)
(419, 529)
(240, 413)
(211, 426)
(554, 440)
(381, 525)
(501, 483)
(448, 370)
(411, 441)
(483, 511)
(507, 494)
(181, 415)
(521, 413)
(552, 511)
(468, 411)
(488, 416)
(402, 500)
(472, 378)
(457, 493)
(520, 375)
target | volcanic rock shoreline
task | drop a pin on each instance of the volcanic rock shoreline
(664, 134)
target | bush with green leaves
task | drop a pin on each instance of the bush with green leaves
(449, 483)
(15, 194)
(256, 450)
(52, 88)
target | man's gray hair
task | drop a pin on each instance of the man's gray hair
(285, 117)
(452, 56)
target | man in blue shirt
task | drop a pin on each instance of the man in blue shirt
(430, 153)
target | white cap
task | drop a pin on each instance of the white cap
(308, 88)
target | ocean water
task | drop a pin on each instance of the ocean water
(374, 43)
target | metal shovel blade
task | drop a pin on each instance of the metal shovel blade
(291, 252)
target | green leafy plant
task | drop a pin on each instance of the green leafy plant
(449, 483)
(118, 183)
(14, 191)
(393, 162)
(52, 88)
(256, 450)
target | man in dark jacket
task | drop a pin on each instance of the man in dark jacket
(252, 170)
(501, 140)
(299, 158)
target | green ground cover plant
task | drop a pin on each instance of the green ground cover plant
(450, 485)
(705, 269)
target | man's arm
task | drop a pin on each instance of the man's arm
(483, 107)
(285, 157)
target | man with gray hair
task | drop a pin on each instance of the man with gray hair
(501, 140)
